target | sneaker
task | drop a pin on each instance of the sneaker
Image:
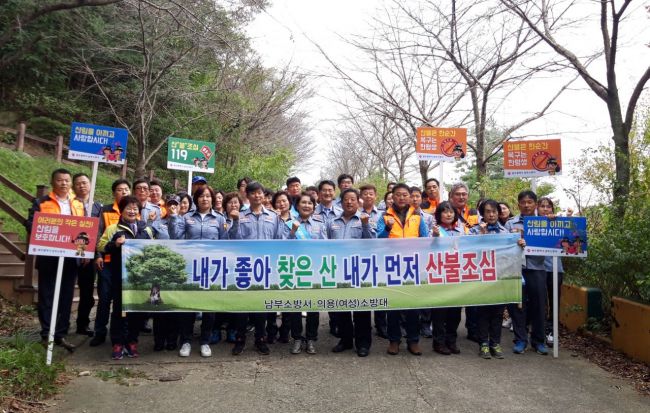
(484, 351)
(426, 332)
(549, 339)
(132, 350)
(205, 351)
(215, 337)
(512, 328)
(231, 336)
(238, 348)
(507, 323)
(262, 348)
(496, 351)
(118, 352)
(97, 340)
(311, 347)
(541, 349)
(519, 347)
(185, 350)
(296, 347)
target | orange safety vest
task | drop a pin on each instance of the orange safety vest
(411, 228)
(50, 205)
(469, 220)
(429, 206)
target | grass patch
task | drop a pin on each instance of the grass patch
(121, 375)
(28, 172)
(25, 379)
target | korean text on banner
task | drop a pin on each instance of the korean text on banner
(441, 144)
(63, 235)
(561, 236)
(98, 143)
(189, 155)
(529, 159)
(317, 275)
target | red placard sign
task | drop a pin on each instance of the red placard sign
(63, 235)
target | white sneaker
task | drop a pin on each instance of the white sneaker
(549, 339)
(185, 350)
(506, 323)
(205, 351)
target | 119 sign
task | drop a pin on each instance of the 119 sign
(190, 155)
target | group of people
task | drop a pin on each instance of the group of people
(140, 211)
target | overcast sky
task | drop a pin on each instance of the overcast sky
(285, 31)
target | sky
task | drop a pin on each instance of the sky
(287, 32)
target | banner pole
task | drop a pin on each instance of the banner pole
(533, 184)
(441, 178)
(556, 305)
(55, 310)
(189, 183)
(93, 181)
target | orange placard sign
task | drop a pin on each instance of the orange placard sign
(63, 235)
(441, 144)
(526, 159)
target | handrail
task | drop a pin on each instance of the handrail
(20, 191)
(11, 211)
(11, 247)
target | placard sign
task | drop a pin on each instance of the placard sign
(190, 155)
(441, 144)
(58, 235)
(528, 159)
(560, 236)
(98, 143)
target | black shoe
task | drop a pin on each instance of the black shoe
(238, 348)
(341, 347)
(158, 347)
(97, 340)
(270, 339)
(65, 344)
(85, 331)
(453, 348)
(363, 352)
(262, 348)
(335, 332)
(441, 349)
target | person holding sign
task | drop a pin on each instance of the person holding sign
(354, 224)
(58, 201)
(203, 223)
(533, 308)
(401, 221)
(305, 227)
(125, 330)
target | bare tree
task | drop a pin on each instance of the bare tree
(542, 17)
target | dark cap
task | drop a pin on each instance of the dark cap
(199, 179)
(173, 199)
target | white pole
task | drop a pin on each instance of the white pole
(55, 310)
(533, 184)
(189, 183)
(556, 305)
(93, 181)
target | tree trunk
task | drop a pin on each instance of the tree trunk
(424, 171)
(621, 156)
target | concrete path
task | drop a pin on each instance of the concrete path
(343, 382)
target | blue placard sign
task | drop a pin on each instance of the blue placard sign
(98, 143)
(560, 236)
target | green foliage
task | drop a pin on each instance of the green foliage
(156, 265)
(619, 249)
(23, 372)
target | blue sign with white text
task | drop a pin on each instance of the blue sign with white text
(560, 236)
(98, 143)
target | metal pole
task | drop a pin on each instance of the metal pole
(441, 178)
(189, 183)
(55, 310)
(533, 184)
(93, 181)
(556, 305)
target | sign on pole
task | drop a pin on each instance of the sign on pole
(63, 236)
(98, 143)
(528, 159)
(441, 144)
(560, 236)
(190, 155)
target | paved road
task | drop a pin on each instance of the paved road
(328, 382)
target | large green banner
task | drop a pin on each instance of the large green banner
(320, 275)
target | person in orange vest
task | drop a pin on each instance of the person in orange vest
(402, 221)
(59, 201)
(432, 192)
(109, 215)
